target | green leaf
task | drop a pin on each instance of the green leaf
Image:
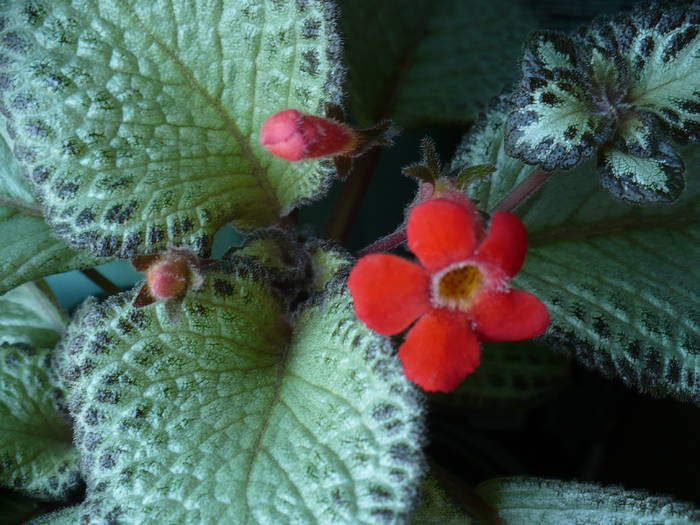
(232, 415)
(554, 122)
(620, 281)
(485, 145)
(662, 48)
(65, 516)
(436, 508)
(432, 62)
(29, 250)
(37, 457)
(29, 317)
(138, 122)
(658, 178)
(328, 261)
(553, 502)
(514, 374)
(468, 175)
(15, 509)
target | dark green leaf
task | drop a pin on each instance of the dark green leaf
(554, 502)
(423, 61)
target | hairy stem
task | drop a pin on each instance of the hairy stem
(100, 280)
(27, 208)
(522, 191)
(351, 196)
(385, 244)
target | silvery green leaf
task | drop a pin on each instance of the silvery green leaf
(37, 457)
(556, 119)
(138, 122)
(553, 502)
(29, 317)
(28, 250)
(661, 44)
(235, 413)
(656, 178)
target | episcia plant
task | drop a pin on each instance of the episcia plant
(291, 378)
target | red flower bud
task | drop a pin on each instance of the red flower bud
(294, 136)
(168, 277)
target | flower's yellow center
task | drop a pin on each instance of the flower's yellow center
(455, 287)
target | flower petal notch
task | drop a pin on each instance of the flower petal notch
(459, 297)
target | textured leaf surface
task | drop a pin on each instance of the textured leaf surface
(28, 250)
(28, 316)
(65, 516)
(436, 508)
(553, 502)
(37, 456)
(430, 61)
(138, 122)
(662, 46)
(620, 281)
(510, 374)
(228, 416)
(658, 178)
(555, 122)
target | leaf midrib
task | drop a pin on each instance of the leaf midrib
(229, 124)
(620, 226)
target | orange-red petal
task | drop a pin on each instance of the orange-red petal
(389, 292)
(509, 316)
(441, 232)
(439, 351)
(505, 244)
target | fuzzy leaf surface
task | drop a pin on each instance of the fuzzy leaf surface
(65, 516)
(661, 44)
(28, 316)
(231, 415)
(435, 62)
(620, 280)
(657, 178)
(552, 502)
(37, 457)
(555, 122)
(28, 250)
(135, 141)
(436, 507)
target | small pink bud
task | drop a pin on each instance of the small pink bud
(168, 277)
(294, 136)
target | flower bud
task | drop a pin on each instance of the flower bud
(294, 136)
(168, 277)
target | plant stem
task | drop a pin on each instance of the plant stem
(522, 191)
(351, 196)
(100, 280)
(385, 244)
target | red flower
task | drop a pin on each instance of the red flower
(458, 293)
(293, 135)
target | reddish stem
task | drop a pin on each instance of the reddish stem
(522, 191)
(387, 243)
